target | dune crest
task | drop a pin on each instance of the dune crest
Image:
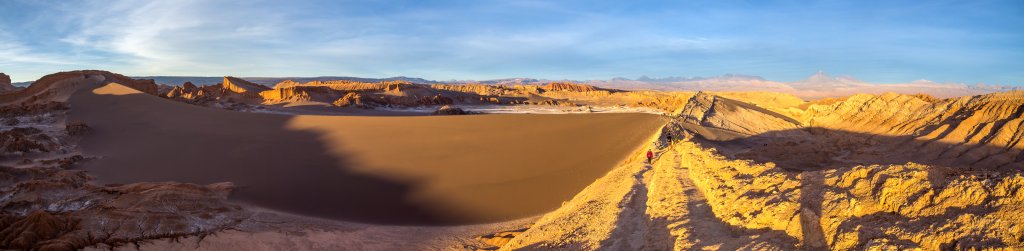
(889, 171)
(431, 169)
(761, 171)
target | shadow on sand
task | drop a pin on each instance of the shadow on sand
(147, 139)
(452, 170)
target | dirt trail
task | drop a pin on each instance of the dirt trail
(679, 215)
(653, 206)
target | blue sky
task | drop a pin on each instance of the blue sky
(877, 41)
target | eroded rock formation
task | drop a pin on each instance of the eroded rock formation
(569, 86)
(22, 140)
(401, 94)
(55, 209)
(5, 83)
(718, 112)
(243, 87)
(450, 110)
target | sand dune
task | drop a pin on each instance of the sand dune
(394, 170)
(756, 171)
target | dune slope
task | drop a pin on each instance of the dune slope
(394, 170)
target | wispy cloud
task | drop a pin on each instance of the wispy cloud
(490, 39)
(13, 51)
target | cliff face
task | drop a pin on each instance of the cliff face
(568, 86)
(407, 94)
(491, 90)
(294, 93)
(245, 88)
(5, 83)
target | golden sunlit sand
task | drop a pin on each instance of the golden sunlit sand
(397, 170)
(93, 153)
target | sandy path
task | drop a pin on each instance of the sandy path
(395, 170)
(678, 216)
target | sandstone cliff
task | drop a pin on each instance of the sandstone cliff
(569, 86)
(238, 85)
(240, 90)
(5, 83)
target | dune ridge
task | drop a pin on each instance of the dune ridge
(876, 172)
(431, 169)
(763, 171)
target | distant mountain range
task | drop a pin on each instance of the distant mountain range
(816, 86)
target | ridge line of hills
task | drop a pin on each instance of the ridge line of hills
(817, 86)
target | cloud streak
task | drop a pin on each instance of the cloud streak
(881, 42)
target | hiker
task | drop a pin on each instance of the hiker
(650, 155)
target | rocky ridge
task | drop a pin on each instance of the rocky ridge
(866, 172)
(401, 94)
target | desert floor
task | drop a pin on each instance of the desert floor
(390, 170)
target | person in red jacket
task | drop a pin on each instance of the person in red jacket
(650, 155)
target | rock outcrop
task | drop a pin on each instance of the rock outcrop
(350, 99)
(717, 112)
(569, 87)
(17, 110)
(402, 94)
(245, 88)
(55, 209)
(450, 110)
(295, 93)
(888, 114)
(914, 206)
(238, 85)
(980, 131)
(22, 140)
(5, 83)
(490, 90)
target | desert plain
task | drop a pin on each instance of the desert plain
(98, 160)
